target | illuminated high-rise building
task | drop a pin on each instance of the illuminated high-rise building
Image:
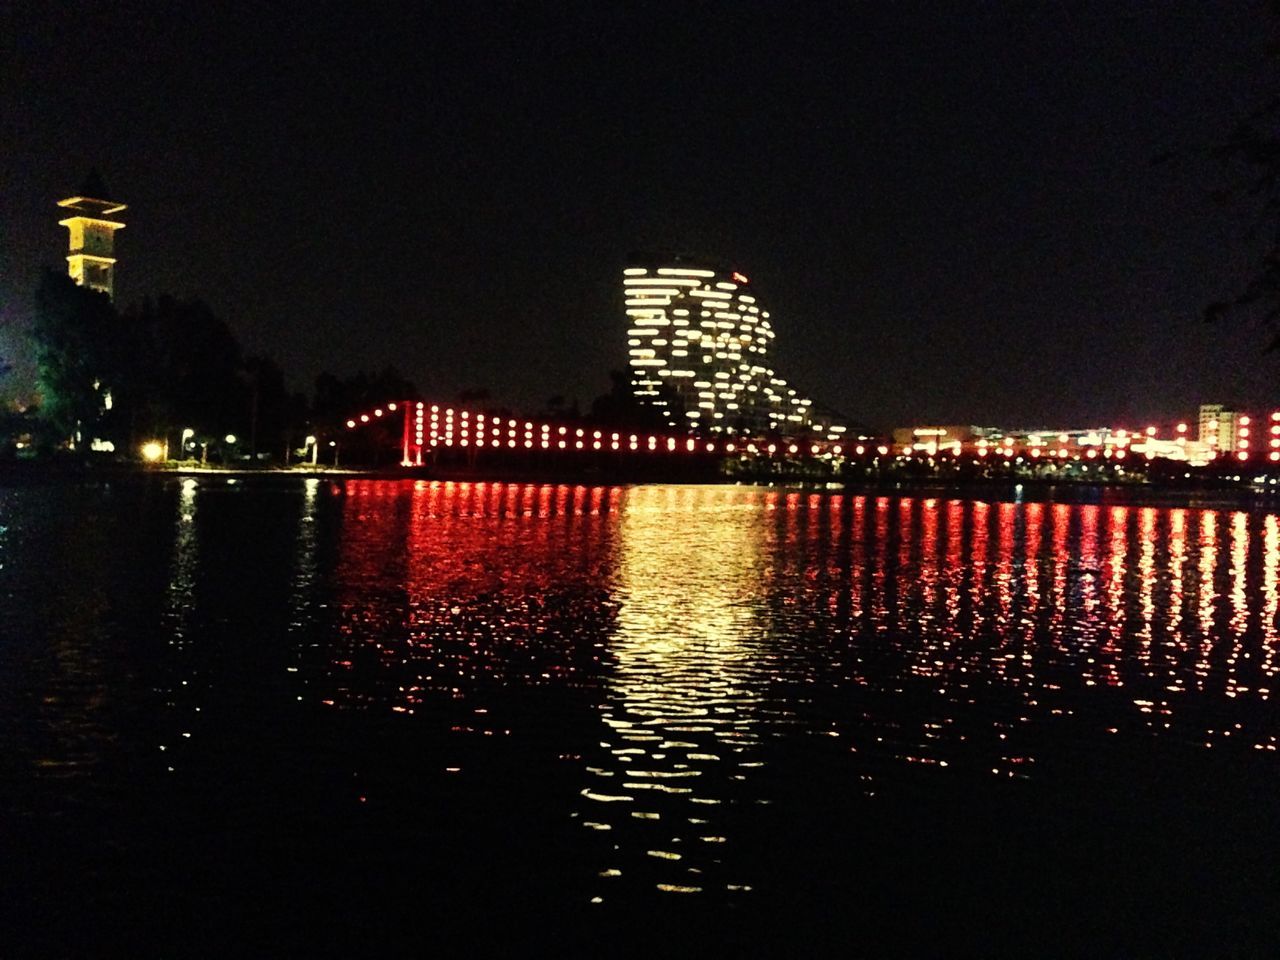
(1218, 425)
(90, 257)
(698, 342)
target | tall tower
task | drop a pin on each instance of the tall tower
(89, 259)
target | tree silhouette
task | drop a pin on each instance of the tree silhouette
(78, 340)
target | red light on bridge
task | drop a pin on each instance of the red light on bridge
(350, 424)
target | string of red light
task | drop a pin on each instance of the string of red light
(435, 425)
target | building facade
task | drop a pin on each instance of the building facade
(91, 260)
(698, 344)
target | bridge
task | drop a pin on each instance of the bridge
(454, 438)
(429, 429)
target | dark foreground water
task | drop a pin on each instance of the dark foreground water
(379, 717)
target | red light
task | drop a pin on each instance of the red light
(391, 406)
(1242, 455)
(1244, 421)
(364, 418)
(350, 424)
(741, 279)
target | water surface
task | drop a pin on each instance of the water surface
(324, 715)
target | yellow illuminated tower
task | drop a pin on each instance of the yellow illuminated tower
(89, 259)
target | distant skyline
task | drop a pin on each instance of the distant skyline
(951, 211)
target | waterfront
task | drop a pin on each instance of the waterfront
(343, 713)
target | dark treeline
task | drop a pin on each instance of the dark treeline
(170, 372)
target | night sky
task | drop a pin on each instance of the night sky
(949, 209)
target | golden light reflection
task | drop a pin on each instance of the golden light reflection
(686, 675)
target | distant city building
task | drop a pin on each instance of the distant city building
(931, 439)
(1223, 434)
(698, 343)
(90, 258)
(1218, 426)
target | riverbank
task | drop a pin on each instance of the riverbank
(1212, 493)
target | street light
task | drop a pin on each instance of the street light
(152, 451)
(230, 438)
(315, 448)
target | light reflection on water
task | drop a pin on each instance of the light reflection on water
(685, 684)
(700, 619)
(671, 672)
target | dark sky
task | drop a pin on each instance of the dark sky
(949, 209)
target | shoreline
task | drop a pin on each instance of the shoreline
(1014, 490)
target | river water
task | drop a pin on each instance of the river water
(264, 718)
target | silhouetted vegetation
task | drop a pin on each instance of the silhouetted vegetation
(171, 371)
